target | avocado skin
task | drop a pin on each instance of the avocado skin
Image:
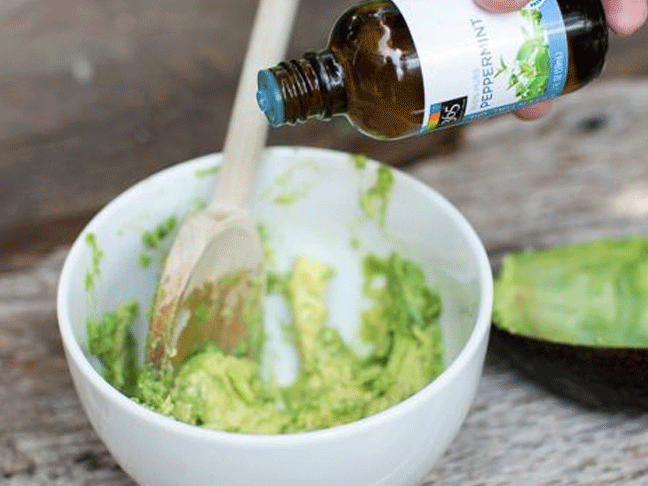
(597, 378)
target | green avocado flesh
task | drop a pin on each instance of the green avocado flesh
(593, 294)
(375, 200)
(334, 385)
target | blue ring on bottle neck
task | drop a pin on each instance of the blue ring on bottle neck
(269, 98)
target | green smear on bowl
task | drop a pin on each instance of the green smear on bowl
(293, 184)
(375, 200)
(144, 260)
(354, 243)
(197, 205)
(152, 239)
(290, 197)
(359, 161)
(97, 256)
(268, 250)
(208, 171)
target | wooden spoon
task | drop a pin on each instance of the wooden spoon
(212, 284)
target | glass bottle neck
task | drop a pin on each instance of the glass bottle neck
(306, 88)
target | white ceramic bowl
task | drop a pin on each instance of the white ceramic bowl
(396, 447)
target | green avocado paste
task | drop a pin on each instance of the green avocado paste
(334, 384)
(593, 293)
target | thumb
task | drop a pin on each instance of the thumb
(501, 5)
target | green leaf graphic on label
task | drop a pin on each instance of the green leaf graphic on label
(536, 87)
(529, 72)
(502, 69)
(542, 60)
(526, 50)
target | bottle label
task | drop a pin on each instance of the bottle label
(477, 64)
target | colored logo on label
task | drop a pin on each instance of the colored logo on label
(433, 120)
(447, 113)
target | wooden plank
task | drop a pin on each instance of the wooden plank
(628, 56)
(579, 174)
(24, 245)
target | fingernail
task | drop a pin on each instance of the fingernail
(502, 5)
(626, 17)
(532, 112)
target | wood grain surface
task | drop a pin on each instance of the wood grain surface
(581, 173)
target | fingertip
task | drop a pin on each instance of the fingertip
(625, 17)
(532, 112)
(501, 6)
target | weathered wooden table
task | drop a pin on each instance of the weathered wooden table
(580, 173)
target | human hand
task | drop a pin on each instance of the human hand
(624, 17)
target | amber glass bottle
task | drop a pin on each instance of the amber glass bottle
(372, 73)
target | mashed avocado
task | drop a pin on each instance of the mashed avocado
(112, 341)
(334, 384)
(593, 293)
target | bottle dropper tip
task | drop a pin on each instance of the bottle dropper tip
(269, 98)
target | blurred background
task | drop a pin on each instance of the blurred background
(97, 94)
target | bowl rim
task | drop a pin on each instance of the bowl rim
(479, 333)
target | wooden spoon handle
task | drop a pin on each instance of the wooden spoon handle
(248, 127)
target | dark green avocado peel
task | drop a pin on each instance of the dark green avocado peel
(574, 318)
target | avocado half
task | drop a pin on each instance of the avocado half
(574, 318)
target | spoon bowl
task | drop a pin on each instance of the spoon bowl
(221, 272)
